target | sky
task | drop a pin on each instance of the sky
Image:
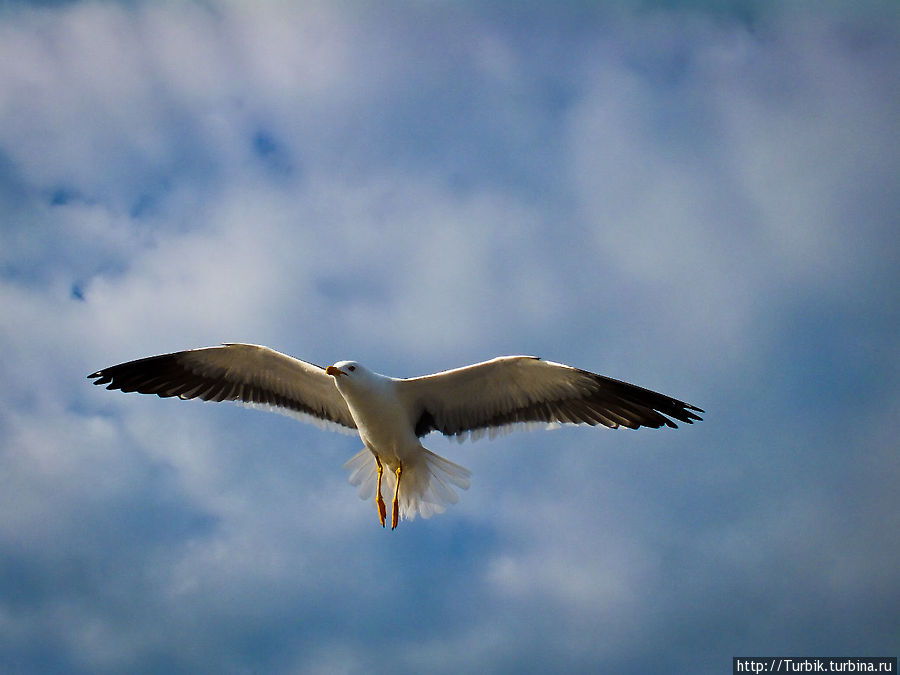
(700, 198)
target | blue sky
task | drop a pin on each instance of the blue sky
(700, 198)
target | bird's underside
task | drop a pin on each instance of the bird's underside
(391, 415)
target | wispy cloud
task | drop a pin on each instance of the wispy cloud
(695, 199)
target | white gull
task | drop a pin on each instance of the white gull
(391, 415)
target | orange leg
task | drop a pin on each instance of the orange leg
(395, 512)
(382, 511)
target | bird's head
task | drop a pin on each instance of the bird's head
(345, 372)
(352, 376)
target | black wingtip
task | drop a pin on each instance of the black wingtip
(100, 377)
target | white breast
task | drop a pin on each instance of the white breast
(384, 424)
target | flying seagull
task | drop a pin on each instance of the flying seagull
(392, 415)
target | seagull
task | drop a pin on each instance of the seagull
(391, 415)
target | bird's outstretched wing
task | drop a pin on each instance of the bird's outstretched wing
(512, 390)
(235, 372)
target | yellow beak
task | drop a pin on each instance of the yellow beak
(334, 372)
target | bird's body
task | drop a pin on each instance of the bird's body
(387, 429)
(391, 415)
(383, 423)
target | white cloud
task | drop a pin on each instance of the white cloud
(679, 199)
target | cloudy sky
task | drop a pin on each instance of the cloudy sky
(700, 198)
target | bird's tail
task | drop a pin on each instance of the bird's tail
(425, 482)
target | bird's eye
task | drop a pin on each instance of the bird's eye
(351, 368)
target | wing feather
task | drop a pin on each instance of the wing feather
(246, 373)
(512, 390)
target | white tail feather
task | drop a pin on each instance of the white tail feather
(425, 483)
(363, 473)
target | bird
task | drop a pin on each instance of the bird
(391, 415)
